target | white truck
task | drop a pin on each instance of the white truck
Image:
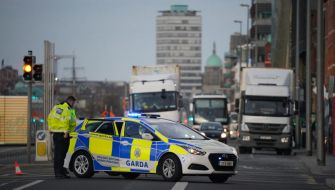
(155, 90)
(266, 109)
(209, 108)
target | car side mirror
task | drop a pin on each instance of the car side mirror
(147, 136)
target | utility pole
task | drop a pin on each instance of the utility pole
(308, 82)
(321, 157)
(297, 73)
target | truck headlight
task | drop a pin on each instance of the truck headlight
(244, 127)
(223, 135)
(284, 140)
(193, 150)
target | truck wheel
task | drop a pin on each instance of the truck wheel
(170, 168)
(218, 178)
(130, 175)
(82, 165)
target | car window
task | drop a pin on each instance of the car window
(106, 128)
(91, 126)
(135, 130)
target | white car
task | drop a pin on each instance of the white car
(132, 146)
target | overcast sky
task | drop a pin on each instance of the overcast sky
(106, 36)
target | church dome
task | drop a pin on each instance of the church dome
(214, 60)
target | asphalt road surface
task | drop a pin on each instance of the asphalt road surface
(261, 170)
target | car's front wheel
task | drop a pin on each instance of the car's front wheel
(82, 165)
(170, 168)
(218, 178)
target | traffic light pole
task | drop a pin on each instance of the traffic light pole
(29, 121)
(30, 86)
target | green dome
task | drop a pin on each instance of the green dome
(214, 60)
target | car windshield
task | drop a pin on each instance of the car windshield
(174, 130)
(211, 127)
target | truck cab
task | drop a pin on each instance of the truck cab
(266, 109)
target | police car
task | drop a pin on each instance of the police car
(131, 146)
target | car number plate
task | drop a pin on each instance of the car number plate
(226, 163)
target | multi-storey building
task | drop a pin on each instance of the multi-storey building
(8, 79)
(178, 41)
(261, 11)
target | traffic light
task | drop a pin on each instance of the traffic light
(38, 72)
(28, 68)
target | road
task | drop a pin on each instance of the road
(261, 170)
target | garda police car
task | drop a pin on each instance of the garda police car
(147, 144)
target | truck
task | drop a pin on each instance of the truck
(155, 90)
(209, 108)
(266, 110)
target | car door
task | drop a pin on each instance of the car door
(101, 147)
(137, 154)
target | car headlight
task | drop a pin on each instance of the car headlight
(223, 135)
(234, 150)
(193, 150)
(203, 133)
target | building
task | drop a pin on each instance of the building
(260, 34)
(213, 76)
(178, 41)
(8, 79)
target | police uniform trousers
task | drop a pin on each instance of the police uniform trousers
(61, 146)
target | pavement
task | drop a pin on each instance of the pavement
(327, 171)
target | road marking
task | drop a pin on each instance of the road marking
(179, 186)
(5, 175)
(29, 185)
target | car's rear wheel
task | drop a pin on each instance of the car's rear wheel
(170, 168)
(218, 178)
(130, 175)
(82, 165)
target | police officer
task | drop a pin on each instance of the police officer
(61, 121)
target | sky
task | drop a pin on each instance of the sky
(106, 36)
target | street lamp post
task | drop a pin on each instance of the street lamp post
(240, 44)
(248, 33)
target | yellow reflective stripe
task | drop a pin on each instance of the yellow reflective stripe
(130, 119)
(72, 145)
(163, 138)
(140, 150)
(58, 130)
(120, 169)
(83, 127)
(177, 149)
(101, 145)
(155, 167)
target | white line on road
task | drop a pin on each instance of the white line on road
(179, 186)
(29, 185)
(3, 184)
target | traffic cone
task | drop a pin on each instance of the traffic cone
(17, 169)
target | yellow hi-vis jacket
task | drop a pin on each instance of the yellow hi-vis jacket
(62, 118)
